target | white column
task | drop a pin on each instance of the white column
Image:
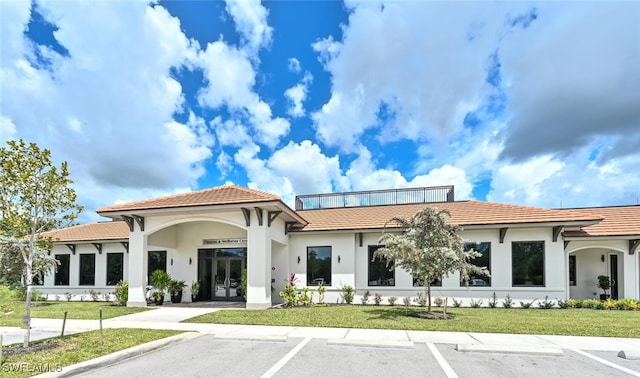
(137, 268)
(630, 264)
(258, 264)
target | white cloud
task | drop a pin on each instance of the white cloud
(250, 18)
(296, 95)
(7, 129)
(114, 97)
(294, 65)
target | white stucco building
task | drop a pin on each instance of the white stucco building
(212, 236)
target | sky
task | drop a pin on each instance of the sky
(528, 103)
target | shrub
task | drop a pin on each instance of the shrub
(305, 297)
(526, 305)
(626, 304)
(121, 293)
(475, 304)
(321, 289)
(392, 300)
(406, 301)
(456, 303)
(377, 298)
(68, 296)
(348, 292)
(564, 304)
(493, 302)
(508, 302)
(546, 304)
(95, 295)
(290, 295)
(438, 301)
(574, 303)
(421, 299)
(610, 304)
(107, 297)
(591, 303)
(365, 297)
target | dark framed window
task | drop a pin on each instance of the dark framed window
(379, 273)
(62, 272)
(87, 269)
(527, 263)
(318, 266)
(572, 270)
(418, 282)
(38, 279)
(484, 260)
(115, 268)
(157, 261)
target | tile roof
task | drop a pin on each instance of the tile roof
(116, 230)
(464, 213)
(618, 221)
(222, 195)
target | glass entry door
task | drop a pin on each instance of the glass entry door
(227, 281)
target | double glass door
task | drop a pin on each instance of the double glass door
(228, 278)
(220, 273)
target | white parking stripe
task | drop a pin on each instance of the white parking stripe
(596, 358)
(443, 363)
(274, 369)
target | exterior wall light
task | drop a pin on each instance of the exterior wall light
(298, 259)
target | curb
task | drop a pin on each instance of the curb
(372, 343)
(112, 358)
(230, 336)
(508, 349)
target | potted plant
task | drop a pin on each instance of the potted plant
(160, 281)
(195, 290)
(604, 283)
(175, 290)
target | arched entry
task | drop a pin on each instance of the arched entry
(220, 273)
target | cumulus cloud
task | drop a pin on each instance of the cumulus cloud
(576, 81)
(296, 95)
(250, 18)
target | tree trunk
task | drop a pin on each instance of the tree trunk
(429, 297)
(27, 317)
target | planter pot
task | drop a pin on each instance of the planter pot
(176, 296)
(159, 301)
(194, 298)
(604, 297)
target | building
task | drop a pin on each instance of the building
(214, 235)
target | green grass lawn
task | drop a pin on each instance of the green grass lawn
(579, 322)
(55, 310)
(76, 348)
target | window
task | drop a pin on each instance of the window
(484, 260)
(87, 269)
(38, 279)
(379, 273)
(114, 268)
(527, 263)
(572, 270)
(62, 271)
(318, 266)
(157, 261)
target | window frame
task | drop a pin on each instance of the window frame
(149, 270)
(485, 278)
(60, 269)
(573, 270)
(121, 256)
(315, 280)
(543, 262)
(82, 258)
(379, 265)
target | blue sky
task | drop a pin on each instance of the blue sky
(531, 103)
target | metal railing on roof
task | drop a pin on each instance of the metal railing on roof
(376, 198)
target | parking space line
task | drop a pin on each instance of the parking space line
(274, 369)
(608, 363)
(443, 363)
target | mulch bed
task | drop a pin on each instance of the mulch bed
(14, 351)
(432, 315)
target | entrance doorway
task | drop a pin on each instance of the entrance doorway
(220, 273)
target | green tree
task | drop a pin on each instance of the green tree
(35, 196)
(429, 247)
(13, 268)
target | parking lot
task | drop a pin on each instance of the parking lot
(208, 356)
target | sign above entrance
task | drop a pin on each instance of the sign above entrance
(224, 241)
